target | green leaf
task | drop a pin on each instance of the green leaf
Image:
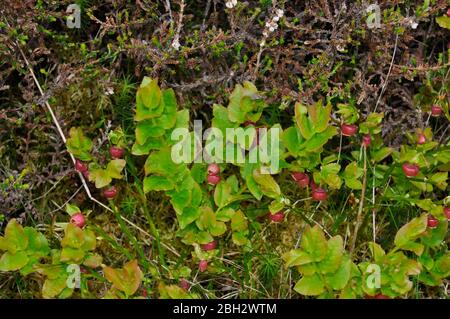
(53, 287)
(152, 103)
(15, 238)
(54, 270)
(310, 286)
(243, 100)
(207, 221)
(117, 137)
(296, 257)
(333, 258)
(78, 144)
(181, 199)
(328, 175)
(74, 255)
(182, 119)
(276, 206)
(100, 177)
(196, 195)
(115, 168)
(303, 122)
(269, 186)
(235, 113)
(442, 265)
(292, 139)
(351, 174)
(90, 240)
(339, 279)
(381, 154)
(169, 117)
(157, 183)
(37, 243)
(307, 269)
(239, 221)
(434, 237)
(222, 194)
(314, 243)
(72, 209)
(151, 144)
(149, 93)
(73, 238)
(126, 279)
(353, 184)
(427, 261)
(6, 245)
(218, 228)
(348, 112)
(221, 120)
(172, 292)
(253, 186)
(440, 180)
(146, 130)
(33, 260)
(320, 116)
(189, 215)
(377, 252)
(66, 293)
(372, 124)
(316, 142)
(12, 262)
(143, 113)
(239, 238)
(225, 214)
(103, 177)
(411, 231)
(429, 280)
(161, 163)
(443, 21)
(353, 171)
(414, 247)
(93, 261)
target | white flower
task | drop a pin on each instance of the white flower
(271, 29)
(231, 4)
(176, 44)
(267, 24)
(280, 13)
(263, 43)
(414, 25)
(276, 18)
(109, 91)
(340, 48)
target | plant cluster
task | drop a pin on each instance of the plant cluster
(357, 205)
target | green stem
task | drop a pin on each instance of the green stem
(131, 238)
(113, 243)
(153, 228)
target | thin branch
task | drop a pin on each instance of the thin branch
(359, 217)
(388, 75)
